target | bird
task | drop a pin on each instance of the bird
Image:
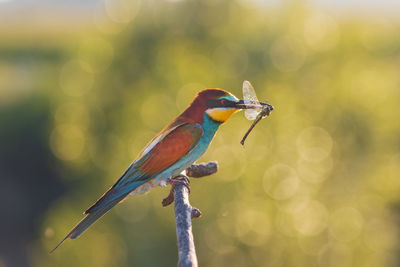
(170, 152)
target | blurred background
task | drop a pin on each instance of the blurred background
(84, 85)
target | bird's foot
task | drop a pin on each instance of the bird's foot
(178, 180)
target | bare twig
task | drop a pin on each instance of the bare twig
(202, 169)
(184, 212)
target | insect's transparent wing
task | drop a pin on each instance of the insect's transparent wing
(251, 114)
(250, 94)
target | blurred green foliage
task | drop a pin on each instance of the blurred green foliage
(317, 183)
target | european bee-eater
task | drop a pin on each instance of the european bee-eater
(173, 150)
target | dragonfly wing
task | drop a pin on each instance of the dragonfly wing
(250, 94)
(251, 114)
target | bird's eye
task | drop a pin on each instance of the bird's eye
(223, 101)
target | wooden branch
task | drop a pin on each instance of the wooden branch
(184, 212)
(202, 169)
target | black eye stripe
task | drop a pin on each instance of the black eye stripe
(220, 103)
(212, 103)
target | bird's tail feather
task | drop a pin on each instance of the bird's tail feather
(89, 219)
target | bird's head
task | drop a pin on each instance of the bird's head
(219, 105)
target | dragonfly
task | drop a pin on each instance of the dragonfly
(255, 115)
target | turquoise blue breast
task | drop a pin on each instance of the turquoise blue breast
(210, 127)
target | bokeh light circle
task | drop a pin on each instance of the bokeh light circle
(67, 141)
(321, 31)
(314, 172)
(314, 144)
(287, 54)
(122, 11)
(280, 181)
(312, 219)
(252, 227)
(76, 78)
(346, 224)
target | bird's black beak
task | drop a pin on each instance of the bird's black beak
(249, 104)
(240, 104)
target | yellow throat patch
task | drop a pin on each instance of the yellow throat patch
(221, 114)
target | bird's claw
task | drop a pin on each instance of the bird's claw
(178, 180)
(181, 179)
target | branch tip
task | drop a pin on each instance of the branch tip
(202, 169)
(196, 213)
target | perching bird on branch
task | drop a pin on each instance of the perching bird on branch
(173, 150)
